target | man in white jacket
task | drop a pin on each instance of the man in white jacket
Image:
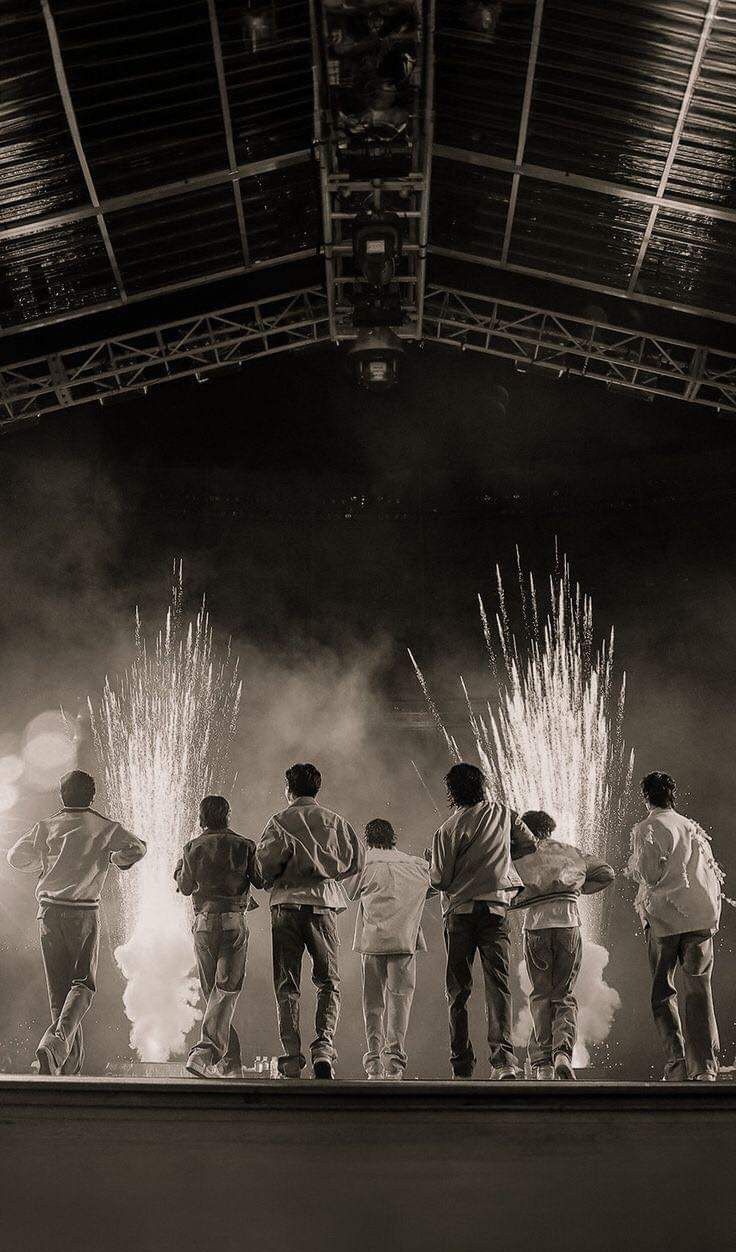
(679, 903)
(390, 890)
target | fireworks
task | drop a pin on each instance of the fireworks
(162, 733)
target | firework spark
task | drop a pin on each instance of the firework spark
(162, 732)
(555, 742)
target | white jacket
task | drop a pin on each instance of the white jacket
(390, 890)
(679, 887)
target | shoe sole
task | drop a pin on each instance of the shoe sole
(47, 1063)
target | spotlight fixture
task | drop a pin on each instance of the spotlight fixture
(374, 358)
(377, 247)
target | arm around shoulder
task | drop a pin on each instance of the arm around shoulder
(598, 876)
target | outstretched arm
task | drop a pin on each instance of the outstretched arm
(25, 855)
(523, 842)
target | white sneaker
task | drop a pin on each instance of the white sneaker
(704, 1078)
(504, 1073)
(545, 1073)
(375, 1077)
(564, 1069)
(199, 1068)
(394, 1075)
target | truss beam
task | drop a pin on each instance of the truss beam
(228, 127)
(526, 107)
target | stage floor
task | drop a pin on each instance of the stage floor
(160, 1164)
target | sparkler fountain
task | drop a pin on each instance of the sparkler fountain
(162, 733)
(555, 742)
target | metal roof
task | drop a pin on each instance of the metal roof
(152, 145)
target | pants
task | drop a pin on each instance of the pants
(488, 934)
(292, 931)
(697, 1051)
(553, 958)
(70, 946)
(388, 991)
(221, 948)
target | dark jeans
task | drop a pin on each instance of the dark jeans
(697, 1051)
(221, 948)
(70, 945)
(553, 958)
(465, 934)
(293, 930)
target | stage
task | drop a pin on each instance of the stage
(159, 1165)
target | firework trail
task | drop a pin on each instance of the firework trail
(555, 742)
(162, 733)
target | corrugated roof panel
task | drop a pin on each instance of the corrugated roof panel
(480, 76)
(143, 83)
(468, 207)
(705, 165)
(39, 170)
(692, 260)
(53, 272)
(282, 211)
(176, 240)
(569, 231)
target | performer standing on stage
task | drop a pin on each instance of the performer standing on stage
(71, 853)
(216, 869)
(304, 853)
(471, 865)
(391, 890)
(554, 877)
(679, 903)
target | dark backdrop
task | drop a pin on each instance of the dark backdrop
(331, 530)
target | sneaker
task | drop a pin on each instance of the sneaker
(704, 1078)
(51, 1054)
(676, 1072)
(323, 1069)
(374, 1077)
(545, 1073)
(394, 1075)
(504, 1073)
(198, 1067)
(564, 1069)
(225, 1070)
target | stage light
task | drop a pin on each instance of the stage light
(11, 769)
(377, 247)
(375, 357)
(48, 751)
(9, 796)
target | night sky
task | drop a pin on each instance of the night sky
(331, 530)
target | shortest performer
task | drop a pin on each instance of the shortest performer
(554, 877)
(71, 854)
(390, 890)
(216, 869)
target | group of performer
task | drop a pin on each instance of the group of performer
(484, 861)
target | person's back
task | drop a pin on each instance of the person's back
(304, 853)
(680, 890)
(391, 891)
(220, 864)
(472, 855)
(72, 852)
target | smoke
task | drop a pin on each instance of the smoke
(162, 993)
(598, 1003)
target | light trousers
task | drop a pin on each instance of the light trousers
(388, 991)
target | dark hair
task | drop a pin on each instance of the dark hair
(77, 789)
(540, 823)
(380, 834)
(465, 785)
(659, 789)
(214, 813)
(303, 780)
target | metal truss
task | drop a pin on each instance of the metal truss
(203, 346)
(346, 197)
(197, 346)
(565, 345)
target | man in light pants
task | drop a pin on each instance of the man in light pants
(390, 890)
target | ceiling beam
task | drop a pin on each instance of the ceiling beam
(164, 191)
(676, 137)
(71, 121)
(563, 178)
(619, 292)
(228, 127)
(523, 125)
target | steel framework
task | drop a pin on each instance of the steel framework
(530, 337)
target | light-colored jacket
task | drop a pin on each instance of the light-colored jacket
(391, 890)
(679, 889)
(560, 871)
(72, 852)
(304, 853)
(472, 853)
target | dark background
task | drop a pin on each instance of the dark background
(331, 530)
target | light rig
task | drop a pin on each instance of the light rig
(373, 89)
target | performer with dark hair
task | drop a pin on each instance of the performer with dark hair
(304, 853)
(679, 903)
(554, 877)
(71, 854)
(391, 890)
(217, 869)
(471, 864)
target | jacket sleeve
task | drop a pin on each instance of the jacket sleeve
(523, 842)
(650, 855)
(272, 855)
(354, 885)
(598, 876)
(357, 854)
(25, 855)
(444, 855)
(127, 848)
(184, 875)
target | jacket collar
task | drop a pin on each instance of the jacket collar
(301, 801)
